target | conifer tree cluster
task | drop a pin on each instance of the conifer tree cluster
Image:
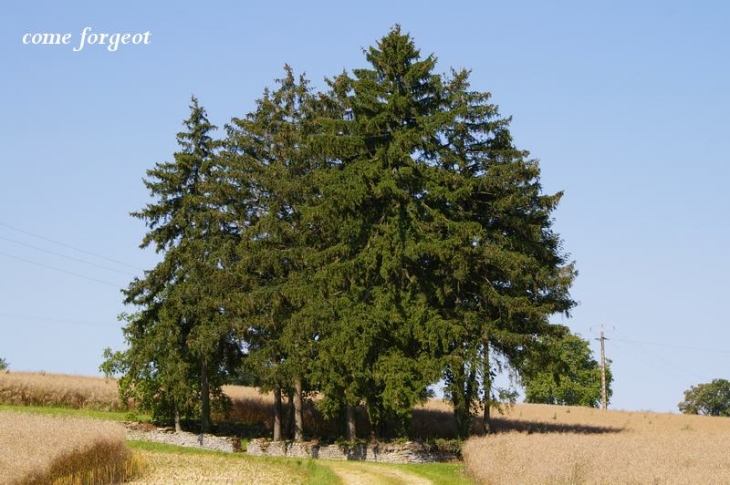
(361, 243)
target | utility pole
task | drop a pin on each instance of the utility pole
(604, 399)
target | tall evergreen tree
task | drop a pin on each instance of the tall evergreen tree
(364, 243)
(269, 149)
(449, 249)
(505, 270)
(182, 342)
(373, 351)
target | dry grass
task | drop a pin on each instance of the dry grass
(40, 389)
(38, 449)
(257, 410)
(169, 468)
(569, 445)
(433, 419)
(249, 406)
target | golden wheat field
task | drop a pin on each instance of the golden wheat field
(166, 468)
(533, 444)
(42, 389)
(36, 449)
(571, 445)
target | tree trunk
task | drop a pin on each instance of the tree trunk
(298, 412)
(487, 376)
(350, 427)
(178, 427)
(289, 422)
(460, 399)
(277, 413)
(205, 398)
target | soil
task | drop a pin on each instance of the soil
(371, 474)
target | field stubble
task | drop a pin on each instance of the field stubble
(173, 468)
(36, 449)
(534, 444)
(41, 389)
(569, 445)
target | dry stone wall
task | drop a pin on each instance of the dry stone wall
(409, 452)
(170, 437)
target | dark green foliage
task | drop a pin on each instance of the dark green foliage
(711, 399)
(560, 369)
(268, 151)
(4, 365)
(443, 238)
(362, 243)
(182, 341)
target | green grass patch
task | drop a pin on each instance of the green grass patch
(316, 473)
(440, 473)
(320, 474)
(185, 450)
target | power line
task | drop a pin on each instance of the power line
(681, 347)
(67, 257)
(71, 247)
(667, 365)
(55, 320)
(61, 270)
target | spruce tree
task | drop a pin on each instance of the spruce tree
(447, 253)
(269, 150)
(373, 348)
(361, 243)
(182, 341)
(503, 272)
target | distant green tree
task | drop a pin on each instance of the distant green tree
(561, 370)
(4, 364)
(711, 399)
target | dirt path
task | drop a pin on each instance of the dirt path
(371, 474)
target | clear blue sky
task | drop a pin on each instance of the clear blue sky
(625, 104)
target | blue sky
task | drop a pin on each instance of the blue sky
(625, 104)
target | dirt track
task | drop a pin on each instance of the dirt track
(352, 473)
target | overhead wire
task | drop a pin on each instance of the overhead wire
(667, 365)
(54, 253)
(43, 265)
(55, 320)
(116, 261)
(76, 322)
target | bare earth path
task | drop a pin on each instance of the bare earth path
(352, 473)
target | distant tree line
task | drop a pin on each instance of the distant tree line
(361, 243)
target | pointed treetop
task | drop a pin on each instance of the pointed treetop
(395, 55)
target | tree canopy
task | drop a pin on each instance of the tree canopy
(363, 243)
(181, 339)
(560, 369)
(711, 399)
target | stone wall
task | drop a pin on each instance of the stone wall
(409, 452)
(170, 437)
